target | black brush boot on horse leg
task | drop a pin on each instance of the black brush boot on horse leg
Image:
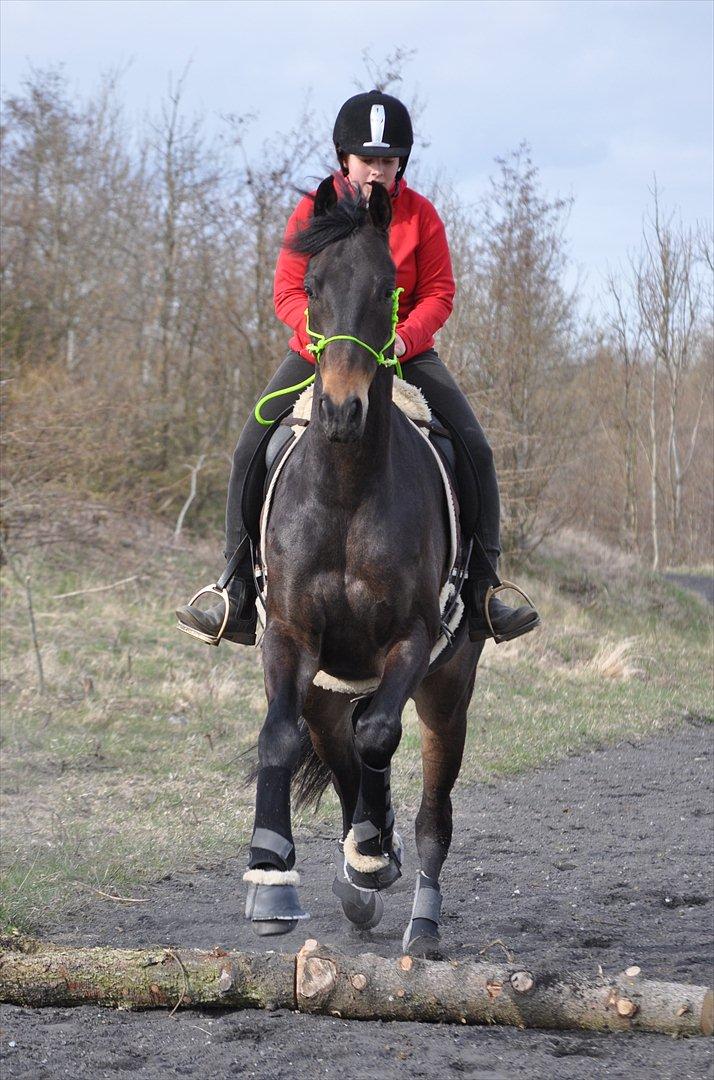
(272, 903)
(372, 849)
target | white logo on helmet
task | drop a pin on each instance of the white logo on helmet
(376, 123)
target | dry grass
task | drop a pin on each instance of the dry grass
(617, 660)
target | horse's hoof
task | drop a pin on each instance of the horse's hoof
(426, 946)
(374, 880)
(273, 927)
(363, 909)
(273, 909)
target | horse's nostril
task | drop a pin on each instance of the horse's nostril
(355, 409)
(322, 408)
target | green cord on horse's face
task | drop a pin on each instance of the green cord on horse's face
(321, 343)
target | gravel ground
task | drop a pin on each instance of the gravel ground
(601, 859)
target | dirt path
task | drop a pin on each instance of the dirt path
(603, 859)
(702, 584)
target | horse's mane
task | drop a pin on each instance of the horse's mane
(347, 215)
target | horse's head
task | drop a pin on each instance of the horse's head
(350, 285)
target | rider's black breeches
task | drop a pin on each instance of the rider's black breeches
(293, 370)
(478, 488)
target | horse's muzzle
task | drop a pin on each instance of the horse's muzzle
(344, 422)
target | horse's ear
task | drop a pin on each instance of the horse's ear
(380, 207)
(325, 197)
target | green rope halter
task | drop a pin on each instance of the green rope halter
(321, 343)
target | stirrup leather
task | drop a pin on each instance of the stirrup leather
(492, 591)
(211, 639)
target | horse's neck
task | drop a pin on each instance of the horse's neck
(349, 470)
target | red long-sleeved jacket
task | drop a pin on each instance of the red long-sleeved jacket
(418, 245)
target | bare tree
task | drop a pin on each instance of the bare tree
(524, 346)
(137, 324)
(669, 300)
(626, 331)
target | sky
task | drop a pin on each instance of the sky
(607, 94)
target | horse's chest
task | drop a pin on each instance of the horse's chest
(344, 570)
(362, 596)
(359, 615)
(365, 589)
(361, 589)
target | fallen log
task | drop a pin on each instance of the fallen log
(462, 991)
(362, 987)
(38, 975)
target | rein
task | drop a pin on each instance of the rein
(321, 343)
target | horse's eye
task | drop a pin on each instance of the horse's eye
(308, 290)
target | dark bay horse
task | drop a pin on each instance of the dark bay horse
(357, 552)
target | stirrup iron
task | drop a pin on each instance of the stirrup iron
(210, 639)
(219, 588)
(492, 591)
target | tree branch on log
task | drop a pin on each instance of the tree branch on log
(363, 987)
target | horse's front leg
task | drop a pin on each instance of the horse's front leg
(272, 903)
(372, 849)
(442, 703)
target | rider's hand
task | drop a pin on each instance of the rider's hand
(399, 347)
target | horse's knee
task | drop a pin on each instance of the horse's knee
(279, 740)
(377, 736)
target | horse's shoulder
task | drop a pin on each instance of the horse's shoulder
(411, 442)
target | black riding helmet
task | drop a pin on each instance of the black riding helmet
(374, 125)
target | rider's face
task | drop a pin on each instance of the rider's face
(369, 170)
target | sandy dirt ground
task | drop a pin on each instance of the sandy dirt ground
(601, 859)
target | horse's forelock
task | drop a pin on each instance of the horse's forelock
(347, 216)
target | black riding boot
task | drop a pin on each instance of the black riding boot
(506, 622)
(241, 619)
(248, 470)
(479, 499)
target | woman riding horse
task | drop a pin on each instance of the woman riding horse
(357, 545)
(373, 140)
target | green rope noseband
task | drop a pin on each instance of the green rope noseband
(388, 361)
(321, 344)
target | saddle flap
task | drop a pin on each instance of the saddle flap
(256, 477)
